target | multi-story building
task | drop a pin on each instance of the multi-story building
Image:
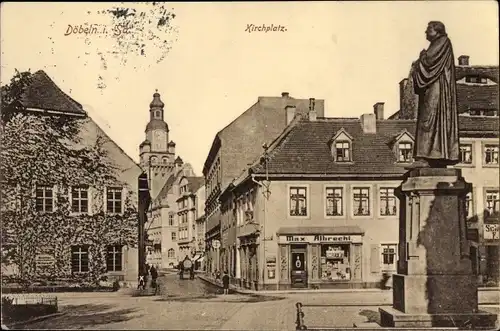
(200, 227)
(238, 144)
(187, 215)
(477, 101)
(318, 208)
(100, 228)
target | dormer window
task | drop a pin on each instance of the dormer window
(342, 151)
(405, 151)
(341, 145)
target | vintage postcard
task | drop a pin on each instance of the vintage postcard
(307, 165)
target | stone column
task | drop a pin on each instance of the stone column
(434, 285)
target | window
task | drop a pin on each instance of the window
(389, 257)
(469, 205)
(491, 154)
(476, 79)
(114, 258)
(171, 219)
(342, 151)
(114, 200)
(174, 236)
(361, 199)
(405, 152)
(298, 201)
(158, 114)
(79, 199)
(334, 201)
(44, 199)
(387, 202)
(171, 253)
(466, 153)
(492, 201)
(79, 259)
(334, 263)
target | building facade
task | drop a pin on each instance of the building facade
(200, 227)
(477, 101)
(98, 235)
(318, 208)
(234, 147)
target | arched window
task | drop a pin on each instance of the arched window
(154, 159)
(171, 253)
(165, 160)
(158, 114)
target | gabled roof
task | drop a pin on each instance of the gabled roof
(400, 135)
(339, 132)
(476, 97)
(490, 72)
(42, 93)
(305, 150)
(195, 182)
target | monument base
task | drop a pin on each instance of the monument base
(390, 317)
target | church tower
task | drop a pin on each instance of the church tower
(157, 153)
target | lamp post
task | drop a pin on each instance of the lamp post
(266, 194)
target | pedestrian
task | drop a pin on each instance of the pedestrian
(225, 282)
(154, 275)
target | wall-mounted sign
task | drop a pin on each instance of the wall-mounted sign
(490, 231)
(334, 254)
(216, 244)
(299, 239)
(44, 260)
(271, 260)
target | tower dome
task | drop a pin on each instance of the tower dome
(156, 103)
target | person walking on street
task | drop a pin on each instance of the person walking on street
(225, 282)
(154, 275)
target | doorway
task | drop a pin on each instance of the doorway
(298, 270)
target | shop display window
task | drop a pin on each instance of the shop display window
(335, 262)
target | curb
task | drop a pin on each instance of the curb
(35, 319)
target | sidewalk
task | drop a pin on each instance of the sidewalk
(236, 289)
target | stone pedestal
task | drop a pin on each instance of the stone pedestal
(434, 285)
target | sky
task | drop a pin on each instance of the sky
(351, 54)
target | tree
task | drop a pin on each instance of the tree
(41, 150)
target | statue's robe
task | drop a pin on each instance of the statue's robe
(437, 117)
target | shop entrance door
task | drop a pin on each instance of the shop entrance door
(298, 266)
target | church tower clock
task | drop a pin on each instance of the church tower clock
(157, 153)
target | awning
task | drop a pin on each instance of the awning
(196, 257)
(200, 259)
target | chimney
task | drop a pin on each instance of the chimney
(285, 94)
(378, 110)
(312, 110)
(290, 113)
(463, 60)
(369, 123)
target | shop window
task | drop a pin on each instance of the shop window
(387, 202)
(79, 259)
(466, 153)
(298, 201)
(334, 201)
(335, 264)
(361, 201)
(114, 258)
(389, 257)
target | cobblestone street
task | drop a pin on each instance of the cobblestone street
(193, 305)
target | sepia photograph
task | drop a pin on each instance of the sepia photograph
(267, 165)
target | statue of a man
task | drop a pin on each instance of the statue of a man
(437, 142)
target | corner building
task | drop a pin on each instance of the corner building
(318, 209)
